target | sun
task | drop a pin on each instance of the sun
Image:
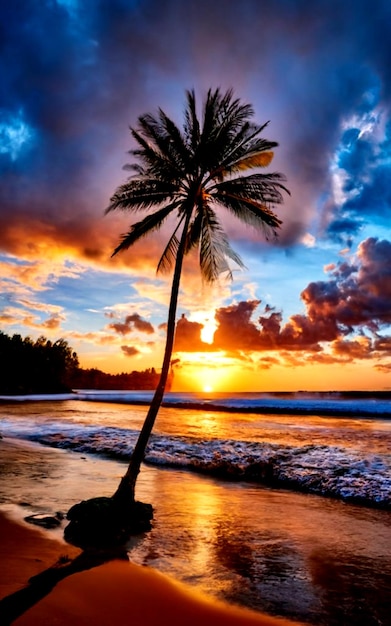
(207, 388)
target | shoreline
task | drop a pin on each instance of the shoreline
(262, 472)
(274, 551)
(113, 592)
(281, 552)
(330, 404)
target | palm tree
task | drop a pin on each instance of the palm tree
(192, 174)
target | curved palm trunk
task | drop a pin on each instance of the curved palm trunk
(125, 494)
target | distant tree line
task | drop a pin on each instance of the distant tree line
(96, 379)
(43, 366)
(40, 366)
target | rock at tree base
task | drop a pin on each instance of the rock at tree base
(101, 523)
(44, 520)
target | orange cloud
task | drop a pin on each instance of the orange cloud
(52, 323)
(132, 322)
(188, 336)
(130, 350)
(267, 362)
(85, 240)
(355, 301)
(98, 337)
(11, 316)
(360, 348)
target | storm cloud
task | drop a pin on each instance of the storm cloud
(76, 74)
(344, 314)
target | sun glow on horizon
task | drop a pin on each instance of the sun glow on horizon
(205, 371)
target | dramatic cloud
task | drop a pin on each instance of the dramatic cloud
(130, 350)
(188, 336)
(132, 322)
(235, 328)
(359, 296)
(356, 300)
(361, 175)
(75, 76)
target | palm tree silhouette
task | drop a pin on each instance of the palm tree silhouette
(192, 174)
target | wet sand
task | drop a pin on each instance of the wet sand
(296, 556)
(116, 592)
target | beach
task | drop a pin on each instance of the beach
(282, 552)
(116, 592)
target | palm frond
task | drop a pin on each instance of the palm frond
(266, 188)
(170, 251)
(135, 167)
(245, 140)
(251, 212)
(194, 232)
(245, 145)
(177, 144)
(191, 124)
(157, 159)
(260, 159)
(223, 131)
(146, 226)
(167, 142)
(140, 194)
(215, 248)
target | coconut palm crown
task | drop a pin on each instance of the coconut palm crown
(194, 174)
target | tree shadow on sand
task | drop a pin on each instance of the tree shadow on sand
(102, 535)
(40, 585)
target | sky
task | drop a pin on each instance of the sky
(312, 310)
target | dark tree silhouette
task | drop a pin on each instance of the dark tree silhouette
(28, 367)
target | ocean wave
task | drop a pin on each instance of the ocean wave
(343, 404)
(338, 404)
(325, 470)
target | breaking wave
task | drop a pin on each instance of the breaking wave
(320, 469)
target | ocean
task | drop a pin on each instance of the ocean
(279, 502)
